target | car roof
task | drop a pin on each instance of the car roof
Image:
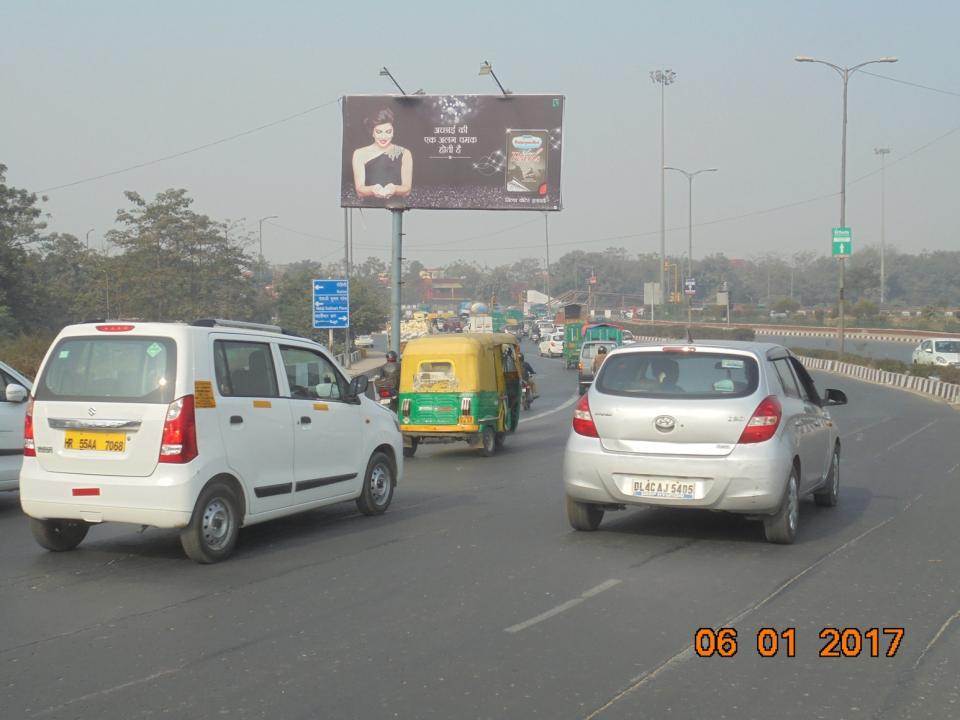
(761, 349)
(174, 329)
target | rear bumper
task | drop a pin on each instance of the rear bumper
(750, 480)
(164, 499)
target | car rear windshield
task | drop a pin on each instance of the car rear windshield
(679, 375)
(589, 352)
(110, 369)
(948, 347)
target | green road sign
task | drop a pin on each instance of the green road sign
(842, 242)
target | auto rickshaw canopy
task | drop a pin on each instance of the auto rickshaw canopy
(465, 362)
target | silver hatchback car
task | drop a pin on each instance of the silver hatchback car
(716, 425)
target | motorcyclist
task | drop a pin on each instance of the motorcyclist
(390, 375)
(598, 360)
(527, 373)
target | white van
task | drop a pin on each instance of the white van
(204, 427)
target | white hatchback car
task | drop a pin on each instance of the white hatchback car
(552, 346)
(205, 427)
(938, 351)
(14, 393)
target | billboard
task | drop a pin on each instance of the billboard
(444, 152)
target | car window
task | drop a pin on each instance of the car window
(787, 379)
(808, 389)
(948, 346)
(244, 369)
(107, 368)
(6, 380)
(311, 375)
(681, 375)
(926, 345)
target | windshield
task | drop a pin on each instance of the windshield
(948, 346)
(590, 351)
(672, 374)
(113, 369)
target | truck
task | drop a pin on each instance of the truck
(603, 331)
(572, 334)
(480, 324)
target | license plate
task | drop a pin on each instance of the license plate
(100, 441)
(663, 488)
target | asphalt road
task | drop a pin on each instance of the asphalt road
(472, 598)
(869, 348)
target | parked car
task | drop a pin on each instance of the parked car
(205, 427)
(588, 353)
(628, 338)
(552, 346)
(14, 394)
(732, 426)
(938, 351)
(364, 341)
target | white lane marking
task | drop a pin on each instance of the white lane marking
(936, 637)
(108, 691)
(596, 590)
(564, 406)
(641, 680)
(864, 429)
(912, 435)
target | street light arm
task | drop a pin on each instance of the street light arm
(872, 62)
(803, 58)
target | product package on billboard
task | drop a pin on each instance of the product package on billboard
(527, 161)
(470, 152)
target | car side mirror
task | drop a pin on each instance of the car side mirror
(835, 397)
(358, 387)
(16, 393)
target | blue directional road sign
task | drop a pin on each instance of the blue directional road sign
(331, 304)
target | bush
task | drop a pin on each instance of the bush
(699, 332)
(24, 353)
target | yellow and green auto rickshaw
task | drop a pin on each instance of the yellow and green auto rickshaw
(459, 387)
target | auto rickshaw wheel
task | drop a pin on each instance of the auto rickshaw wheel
(410, 450)
(499, 439)
(488, 441)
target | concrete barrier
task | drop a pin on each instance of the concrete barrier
(949, 392)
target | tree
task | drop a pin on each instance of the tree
(20, 226)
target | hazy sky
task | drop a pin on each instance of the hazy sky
(90, 87)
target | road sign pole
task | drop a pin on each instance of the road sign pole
(396, 274)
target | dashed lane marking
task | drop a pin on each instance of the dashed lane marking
(552, 612)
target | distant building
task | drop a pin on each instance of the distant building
(441, 293)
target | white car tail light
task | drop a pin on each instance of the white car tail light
(29, 447)
(179, 443)
(583, 420)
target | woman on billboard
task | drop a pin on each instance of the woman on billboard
(382, 169)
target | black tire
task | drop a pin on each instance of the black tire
(214, 527)
(582, 388)
(58, 535)
(488, 441)
(583, 516)
(499, 439)
(829, 496)
(527, 401)
(410, 450)
(379, 482)
(781, 528)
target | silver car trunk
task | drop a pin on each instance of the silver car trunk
(639, 416)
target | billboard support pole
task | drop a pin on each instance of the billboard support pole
(396, 253)
(346, 272)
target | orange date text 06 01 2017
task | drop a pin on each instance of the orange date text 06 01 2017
(771, 642)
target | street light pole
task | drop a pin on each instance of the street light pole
(844, 73)
(88, 237)
(690, 176)
(662, 78)
(883, 152)
(546, 237)
(268, 217)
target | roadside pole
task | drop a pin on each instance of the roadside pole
(396, 253)
(346, 272)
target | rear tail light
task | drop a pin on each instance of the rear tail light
(582, 419)
(179, 443)
(680, 349)
(115, 328)
(465, 406)
(29, 447)
(764, 422)
(385, 392)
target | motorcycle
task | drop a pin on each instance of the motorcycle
(387, 397)
(526, 396)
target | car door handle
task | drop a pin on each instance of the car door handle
(304, 420)
(236, 420)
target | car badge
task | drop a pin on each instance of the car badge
(664, 423)
(91, 411)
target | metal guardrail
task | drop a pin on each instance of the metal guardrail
(355, 356)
